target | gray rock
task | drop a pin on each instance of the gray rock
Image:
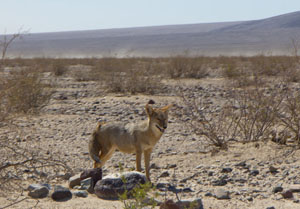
(277, 189)
(95, 174)
(86, 184)
(273, 170)
(294, 188)
(111, 186)
(81, 193)
(38, 191)
(164, 174)
(33, 186)
(226, 170)
(219, 182)
(74, 181)
(61, 193)
(222, 194)
(254, 173)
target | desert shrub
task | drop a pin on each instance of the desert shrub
(58, 68)
(24, 92)
(248, 114)
(133, 81)
(186, 67)
(212, 126)
(139, 197)
(289, 116)
(255, 112)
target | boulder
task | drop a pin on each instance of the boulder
(61, 193)
(95, 174)
(74, 181)
(111, 186)
(38, 191)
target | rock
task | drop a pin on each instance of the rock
(111, 186)
(273, 170)
(208, 194)
(277, 189)
(38, 191)
(219, 182)
(65, 176)
(210, 173)
(187, 189)
(241, 164)
(222, 194)
(294, 188)
(226, 170)
(164, 174)
(81, 193)
(171, 166)
(86, 184)
(287, 194)
(33, 186)
(254, 173)
(74, 181)
(61, 193)
(95, 174)
(272, 207)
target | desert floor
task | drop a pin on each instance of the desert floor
(180, 158)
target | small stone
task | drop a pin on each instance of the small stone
(219, 182)
(164, 174)
(187, 189)
(171, 166)
(210, 173)
(241, 164)
(222, 194)
(254, 173)
(273, 170)
(272, 207)
(208, 194)
(294, 188)
(226, 170)
(61, 193)
(81, 193)
(287, 194)
(277, 189)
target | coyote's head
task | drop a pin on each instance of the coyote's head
(158, 116)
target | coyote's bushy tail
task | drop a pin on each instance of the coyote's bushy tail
(94, 146)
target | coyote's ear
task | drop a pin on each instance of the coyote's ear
(149, 110)
(166, 108)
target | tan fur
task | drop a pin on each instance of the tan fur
(129, 138)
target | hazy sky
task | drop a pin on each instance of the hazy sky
(66, 15)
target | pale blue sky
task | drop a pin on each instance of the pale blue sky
(68, 15)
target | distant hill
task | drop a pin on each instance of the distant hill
(269, 36)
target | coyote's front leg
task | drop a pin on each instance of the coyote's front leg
(138, 160)
(147, 155)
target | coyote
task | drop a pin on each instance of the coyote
(129, 138)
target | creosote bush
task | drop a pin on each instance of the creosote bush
(24, 92)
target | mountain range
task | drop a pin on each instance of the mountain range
(272, 36)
